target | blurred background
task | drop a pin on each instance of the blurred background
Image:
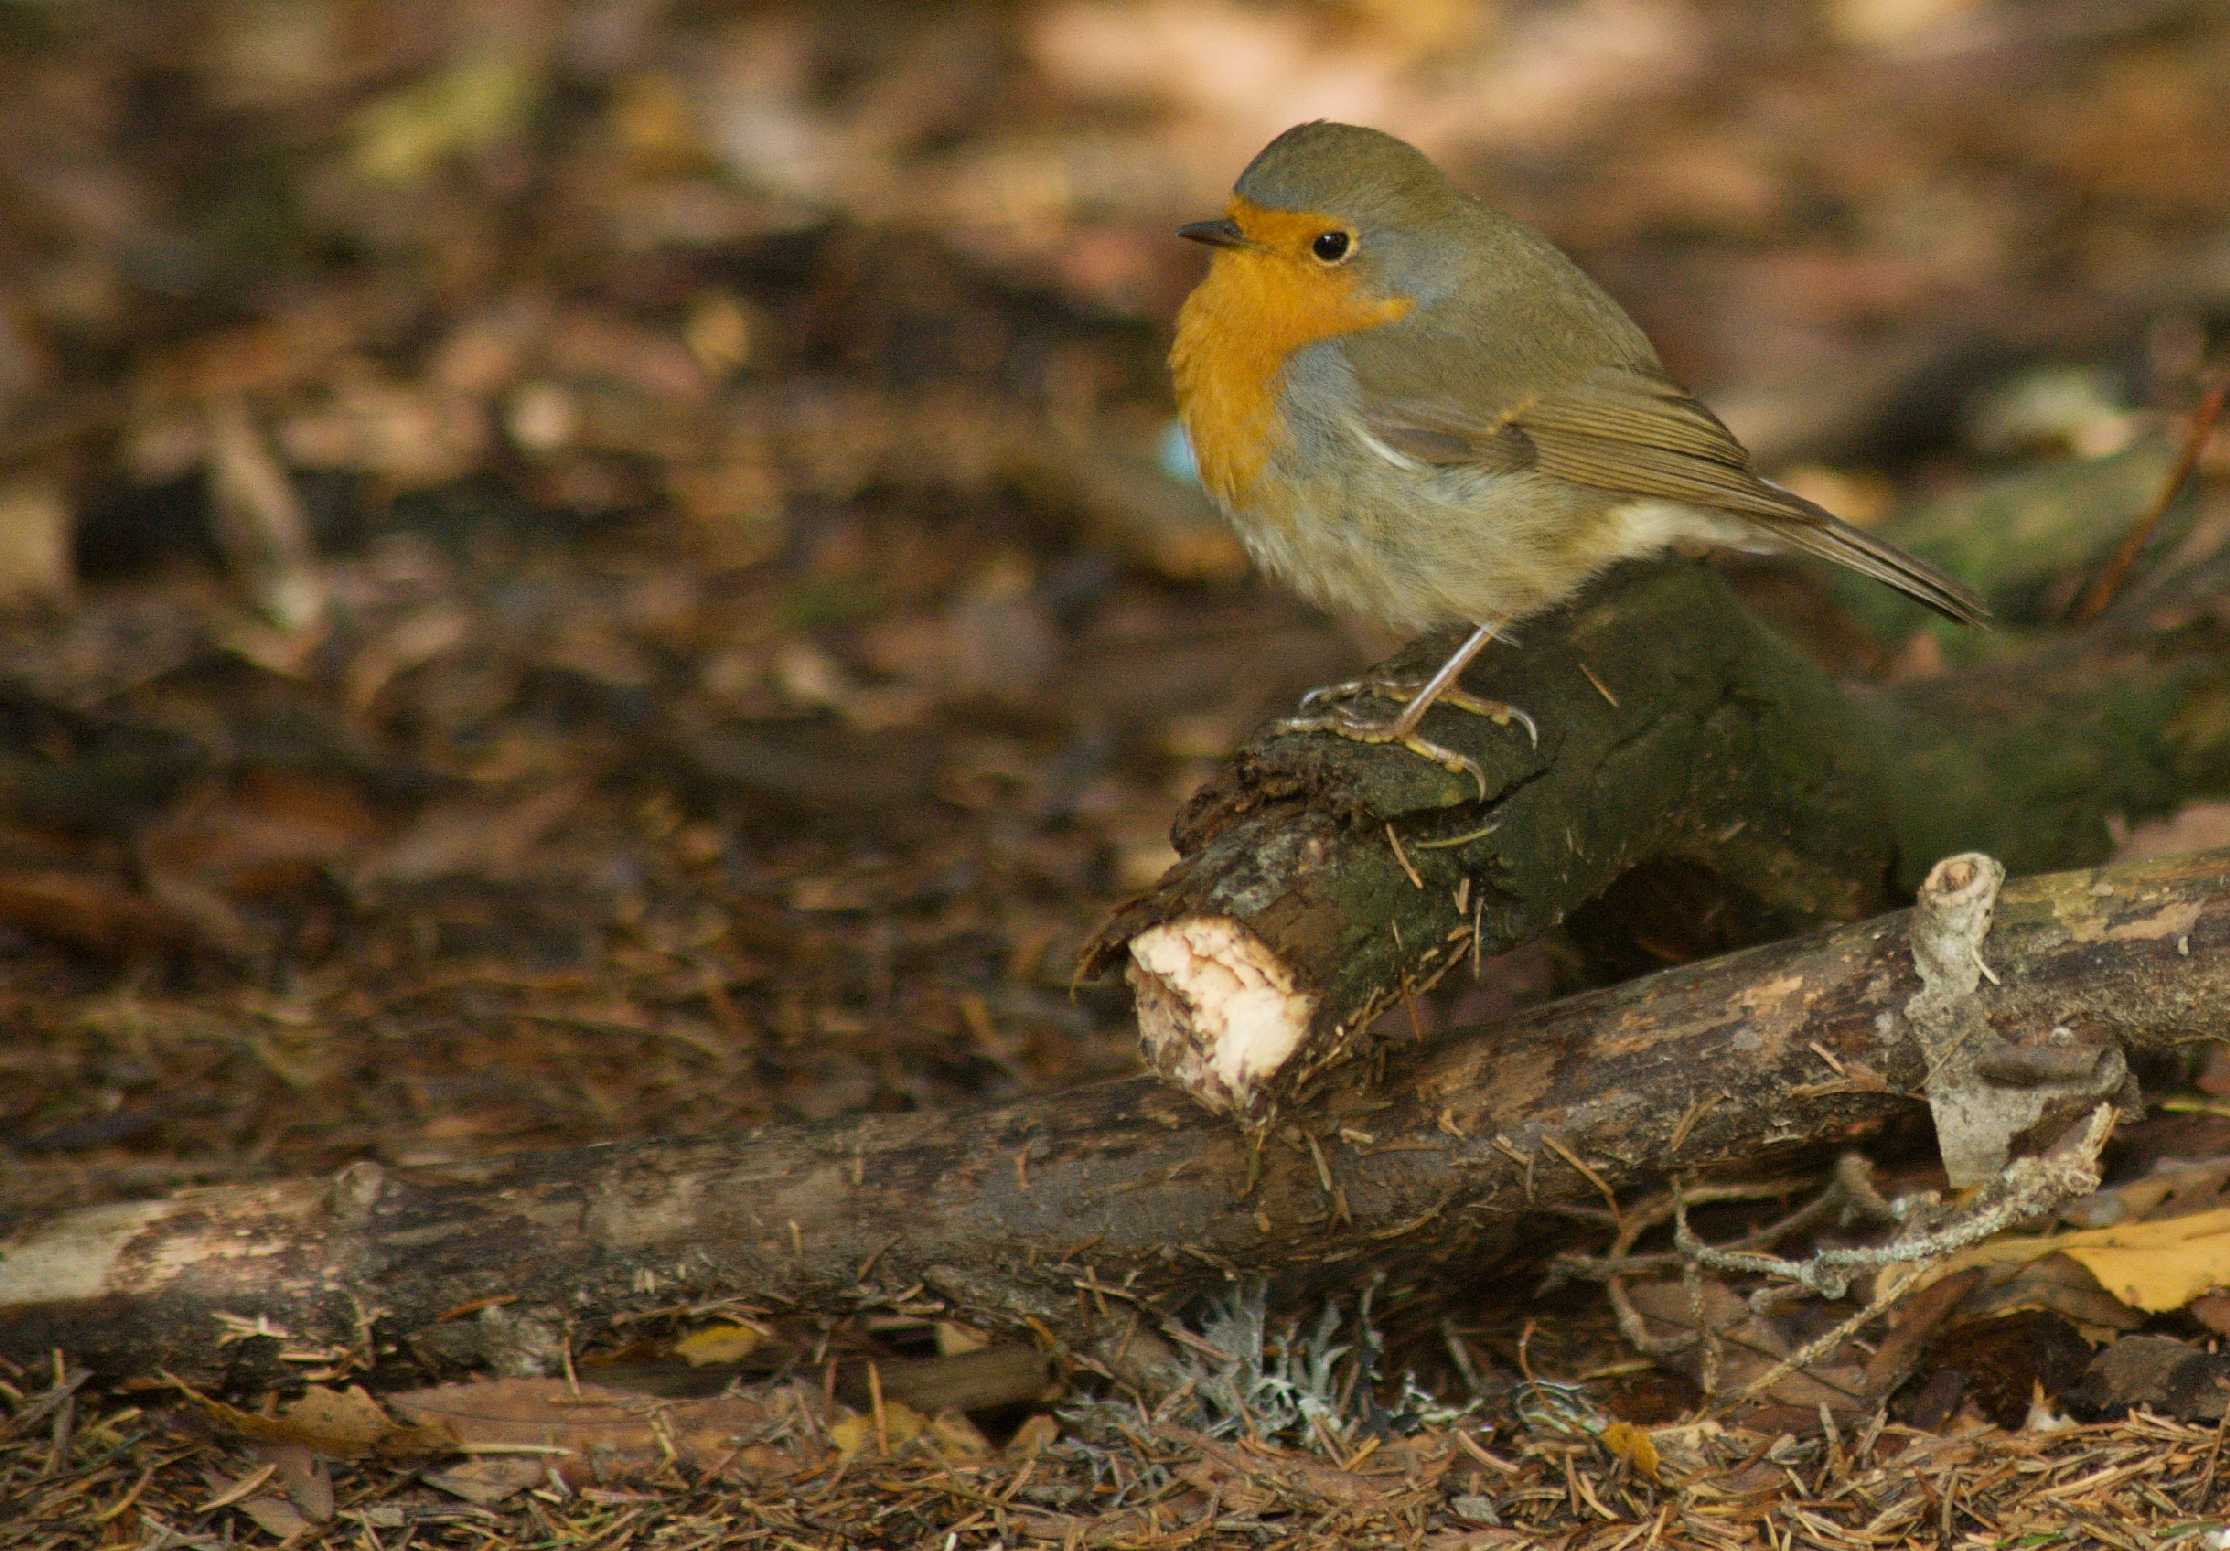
(570, 570)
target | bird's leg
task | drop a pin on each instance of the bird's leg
(1401, 727)
(1419, 697)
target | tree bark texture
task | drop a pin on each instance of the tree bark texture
(1322, 880)
(1061, 1215)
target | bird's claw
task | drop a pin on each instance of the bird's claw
(1361, 730)
(1500, 712)
(1353, 689)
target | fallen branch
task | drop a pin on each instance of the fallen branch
(1064, 1216)
(1323, 880)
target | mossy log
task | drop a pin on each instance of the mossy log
(1322, 880)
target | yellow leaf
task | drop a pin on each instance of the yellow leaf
(1632, 1444)
(470, 107)
(721, 1343)
(2155, 1265)
(957, 1438)
(901, 1424)
(2161, 1265)
(851, 1434)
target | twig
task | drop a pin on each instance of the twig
(2111, 575)
(2030, 1186)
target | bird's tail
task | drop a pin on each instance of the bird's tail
(1817, 531)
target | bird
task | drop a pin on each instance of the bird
(1416, 408)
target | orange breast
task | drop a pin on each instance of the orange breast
(1238, 328)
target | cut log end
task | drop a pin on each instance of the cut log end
(1219, 1014)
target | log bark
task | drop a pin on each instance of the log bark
(1050, 1217)
(1322, 880)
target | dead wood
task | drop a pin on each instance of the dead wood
(1061, 1217)
(1323, 880)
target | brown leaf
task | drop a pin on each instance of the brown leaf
(2211, 1310)
(2159, 1374)
(37, 526)
(259, 521)
(91, 910)
(489, 1481)
(1911, 1323)
(2198, 826)
(306, 1476)
(590, 1433)
(2057, 1285)
(2000, 1363)
(1749, 1347)
(345, 1424)
(275, 1515)
(487, 839)
(270, 833)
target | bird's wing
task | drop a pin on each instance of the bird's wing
(1630, 430)
(1620, 429)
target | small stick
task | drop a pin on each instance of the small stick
(2110, 577)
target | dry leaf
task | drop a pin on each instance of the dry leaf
(406, 135)
(1911, 1324)
(2211, 1310)
(345, 1424)
(1749, 1347)
(305, 1475)
(1036, 1431)
(37, 527)
(2057, 1285)
(2154, 1266)
(589, 1433)
(957, 1438)
(901, 1424)
(2159, 1374)
(2160, 1265)
(99, 912)
(489, 1481)
(275, 1515)
(1999, 1364)
(721, 1343)
(1626, 1442)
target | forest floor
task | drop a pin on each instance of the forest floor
(578, 572)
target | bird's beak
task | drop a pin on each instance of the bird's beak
(1222, 233)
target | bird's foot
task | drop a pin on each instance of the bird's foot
(1500, 712)
(1345, 721)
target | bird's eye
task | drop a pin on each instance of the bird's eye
(1330, 247)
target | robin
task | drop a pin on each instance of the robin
(1416, 408)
